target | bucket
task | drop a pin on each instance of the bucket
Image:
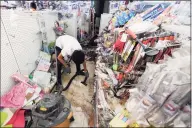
(66, 123)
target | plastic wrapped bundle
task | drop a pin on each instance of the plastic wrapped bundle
(133, 100)
(151, 72)
(170, 109)
(183, 15)
(156, 84)
(183, 119)
(162, 87)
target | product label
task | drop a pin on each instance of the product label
(155, 12)
(170, 108)
(124, 38)
(127, 53)
(148, 101)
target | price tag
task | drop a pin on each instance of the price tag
(124, 37)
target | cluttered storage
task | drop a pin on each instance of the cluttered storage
(95, 64)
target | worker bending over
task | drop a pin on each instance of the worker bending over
(68, 48)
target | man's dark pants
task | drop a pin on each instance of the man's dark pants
(59, 66)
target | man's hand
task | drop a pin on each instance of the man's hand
(68, 69)
(47, 90)
(85, 70)
(60, 58)
(86, 73)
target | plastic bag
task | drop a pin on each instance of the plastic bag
(133, 100)
(42, 78)
(183, 14)
(151, 72)
(165, 115)
(171, 107)
(158, 91)
(178, 63)
(162, 87)
(182, 95)
(146, 105)
(142, 27)
(183, 119)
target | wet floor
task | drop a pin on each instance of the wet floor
(80, 95)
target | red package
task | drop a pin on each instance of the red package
(119, 46)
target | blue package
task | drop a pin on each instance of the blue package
(123, 19)
(120, 20)
(143, 7)
(156, 11)
(116, 24)
(164, 6)
(131, 14)
(125, 119)
(125, 16)
(116, 5)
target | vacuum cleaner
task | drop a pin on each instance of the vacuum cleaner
(54, 110)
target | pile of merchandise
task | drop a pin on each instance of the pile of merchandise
(16, 105)
(142, 76)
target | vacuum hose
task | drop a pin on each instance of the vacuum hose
(76, 74)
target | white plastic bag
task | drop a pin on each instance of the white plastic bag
(133, 100)
(42, 78)
(142, 27)
(183, 119)
(152, 71)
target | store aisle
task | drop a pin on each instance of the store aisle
(80, 95)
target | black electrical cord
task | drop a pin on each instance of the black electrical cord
(11, 46)
(76, 74)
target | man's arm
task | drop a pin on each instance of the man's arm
(60, 58)
(84, 66)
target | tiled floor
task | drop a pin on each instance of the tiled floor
(81, 118)
(80, 95)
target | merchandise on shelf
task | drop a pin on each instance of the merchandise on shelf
(154, 88)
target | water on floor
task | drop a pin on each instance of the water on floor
(80, 95)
